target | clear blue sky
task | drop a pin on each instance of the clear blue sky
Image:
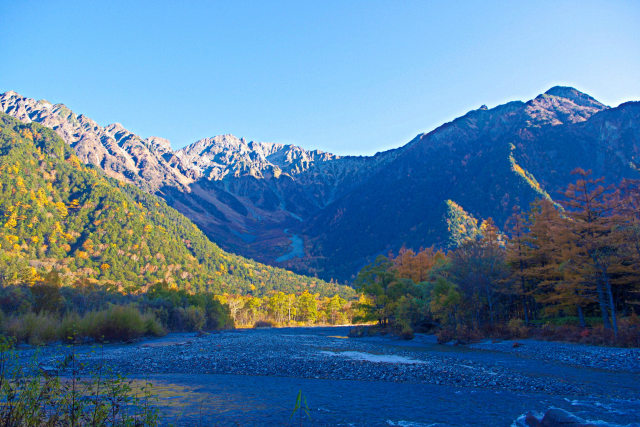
(350, 77)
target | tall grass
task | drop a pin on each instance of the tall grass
(116, 323)
(119, 323)
(48, 312)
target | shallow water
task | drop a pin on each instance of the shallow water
(225, 399)
(230, 399)
(375, 358)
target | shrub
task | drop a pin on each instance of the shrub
(218, 315)
(91, 311)
(629, 331)
(359, 332)
(153, 326)
(32, 328)
(118, 323)
(406, 333)
(444, 335)
(68, 328)
(466, 334)
(195, 318)
(517, 328)
(403, 329)
(263, 324)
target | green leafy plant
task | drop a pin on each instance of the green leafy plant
(301, 407)
(69, 394)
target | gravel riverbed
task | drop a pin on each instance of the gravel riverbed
(580, 355)
(327, 353)
(251, 377)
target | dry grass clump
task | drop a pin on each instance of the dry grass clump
(116, 323)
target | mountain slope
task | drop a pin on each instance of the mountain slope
(327, 215)
(237, 192)
(487, 161)
(147, 163)
(58, 213)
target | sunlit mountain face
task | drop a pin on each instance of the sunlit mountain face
(327, 215)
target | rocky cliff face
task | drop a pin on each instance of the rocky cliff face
(148, 163)
(226, 155)
(260, 199)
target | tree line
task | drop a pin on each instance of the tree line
(574, 261)
(283, 309)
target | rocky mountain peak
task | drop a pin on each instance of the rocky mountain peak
(115, 127)
(560, 105)
(228, 155)
(119, 152)
(161, 145)
(575, 96)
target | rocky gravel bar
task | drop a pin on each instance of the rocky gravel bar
(327, 353)
(608, 358)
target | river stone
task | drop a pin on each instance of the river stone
(557, 417)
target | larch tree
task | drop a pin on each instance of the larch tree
(518, 257)
(417, 266)
(551, 262)
(625, 273)
(590, 206)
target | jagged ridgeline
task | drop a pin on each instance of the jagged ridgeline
(58, 213)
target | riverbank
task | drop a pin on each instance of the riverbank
(614, 359)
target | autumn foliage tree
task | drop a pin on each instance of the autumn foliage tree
(478, 268)
(574, 258)
(417, 266)
(550, 262)
(595, 238)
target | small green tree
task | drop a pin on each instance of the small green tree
(374, 281)
(307, 307)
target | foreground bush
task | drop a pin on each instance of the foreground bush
(263, 324)
(628, 333)
(96, 398)
(32, 328)
(119, 323)
(45, 313)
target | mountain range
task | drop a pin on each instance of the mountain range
(58, 214)
(327, 215)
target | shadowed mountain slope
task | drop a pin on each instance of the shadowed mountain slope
(262, 199)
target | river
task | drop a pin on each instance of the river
(252, 377)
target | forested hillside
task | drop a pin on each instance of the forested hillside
(262, 200)
(574, 262)
(60, 214)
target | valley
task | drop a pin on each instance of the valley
(347, 210)
(361, 213)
